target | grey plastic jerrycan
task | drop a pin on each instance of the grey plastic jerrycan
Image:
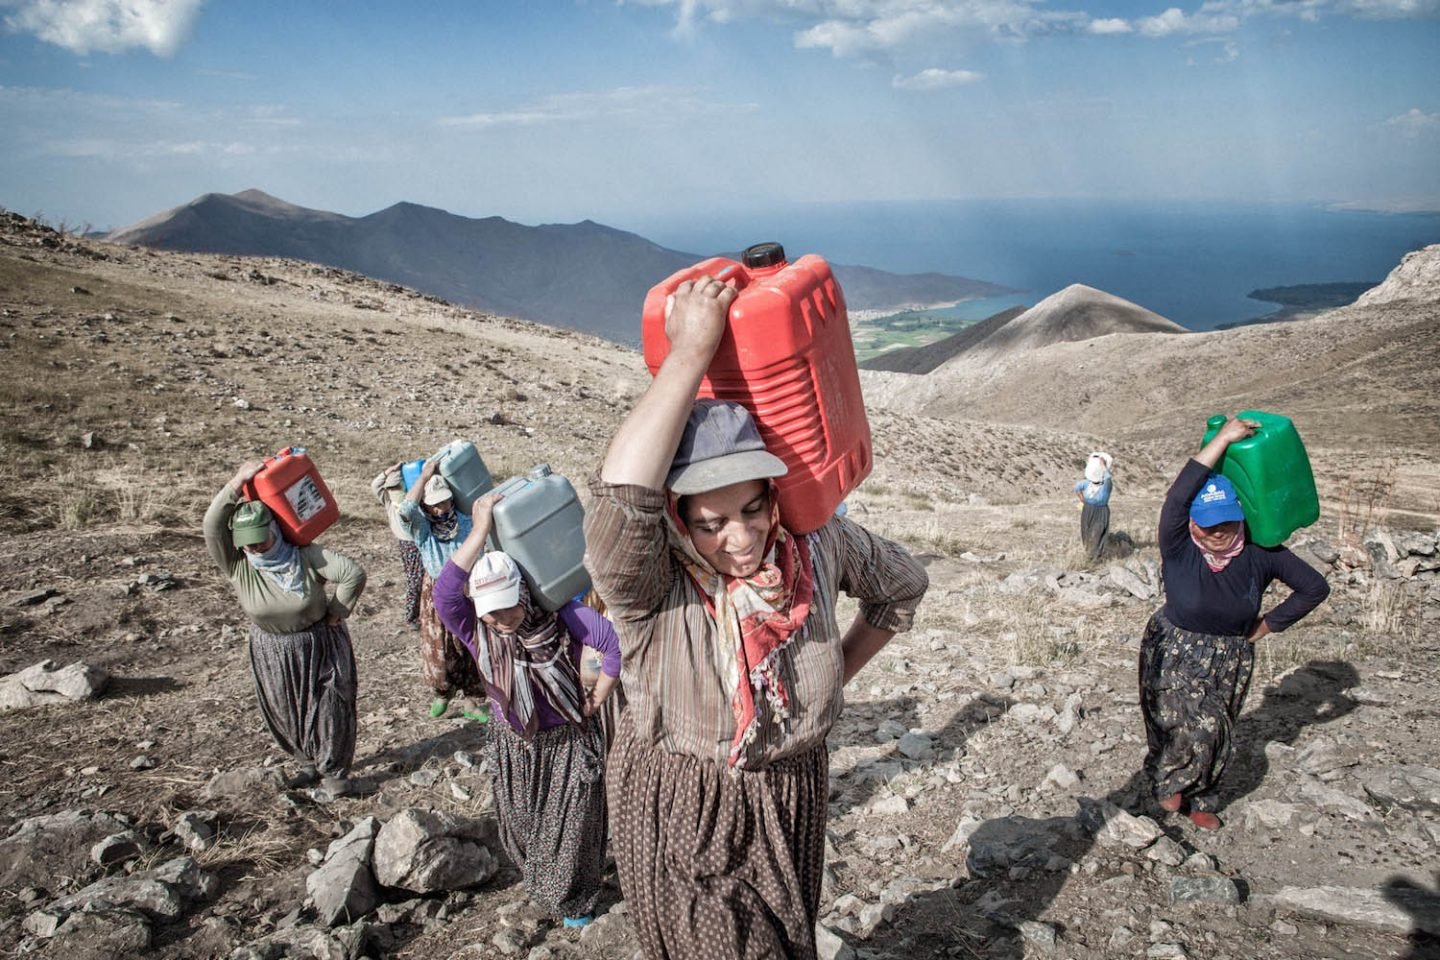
(464, 472)
(539, 522)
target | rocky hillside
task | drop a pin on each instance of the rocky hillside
(984, 800)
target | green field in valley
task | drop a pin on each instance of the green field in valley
(909, 328)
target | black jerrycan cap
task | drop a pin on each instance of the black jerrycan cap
(763, 255)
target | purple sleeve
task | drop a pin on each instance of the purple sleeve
(591, 629)
(1308, 586)
(1175, 513)
(454, 608)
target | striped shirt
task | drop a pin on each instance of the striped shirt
(673, 670)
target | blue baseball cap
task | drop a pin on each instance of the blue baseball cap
(1216, 502)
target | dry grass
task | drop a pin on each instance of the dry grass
(1366, 498)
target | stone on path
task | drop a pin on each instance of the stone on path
(428, 850)
(344, 889)
(1409, 785)
(44, 683)
(1113, 825)
(241, 784)
(1204, 890)
(42, 848)
(1398, 909)
(829, 946)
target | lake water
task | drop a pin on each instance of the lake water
(1191, 262)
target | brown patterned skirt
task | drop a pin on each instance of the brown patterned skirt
(448, 667)
(550, 804)
(1192, 686)
(715, 865)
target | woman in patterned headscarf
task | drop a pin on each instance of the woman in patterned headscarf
(428, 515)
(547, 757)
(300, 652)
(718, 780)
(1198, 650)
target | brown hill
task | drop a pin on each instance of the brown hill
(136, 380)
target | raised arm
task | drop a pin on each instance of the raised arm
(642, 449)
(481, 516)
(216, 525)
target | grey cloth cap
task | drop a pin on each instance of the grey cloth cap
(720, 446)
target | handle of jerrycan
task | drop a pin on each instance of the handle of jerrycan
(719, 268)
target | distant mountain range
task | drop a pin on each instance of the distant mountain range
(585, 275)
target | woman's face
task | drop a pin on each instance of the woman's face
(731, 526)
(507, 620)
(259, 548)
(439, 511)
(1219, 537)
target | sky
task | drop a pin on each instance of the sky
(645, 112)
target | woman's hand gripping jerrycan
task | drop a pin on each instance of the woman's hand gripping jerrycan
(787, 356)
(1272, 477)
(291, 486)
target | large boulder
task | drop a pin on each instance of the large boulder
(343, 888)
(428, 850)
(45, 683)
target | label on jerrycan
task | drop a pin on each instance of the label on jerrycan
(305, 498)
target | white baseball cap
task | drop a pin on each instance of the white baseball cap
(436, 491)
(494, 583)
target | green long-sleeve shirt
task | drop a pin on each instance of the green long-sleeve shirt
(273, 609)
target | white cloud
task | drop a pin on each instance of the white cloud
(650, 104)
(1391, 9)
(110, 26)
(113, 149)
(1229, 49)
(1415, 123)
(936, 79)
(1109, 26)
(1313, 10)
(1175, 21)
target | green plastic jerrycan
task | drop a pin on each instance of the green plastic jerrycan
(1272, 475)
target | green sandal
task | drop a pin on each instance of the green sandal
(438, 706)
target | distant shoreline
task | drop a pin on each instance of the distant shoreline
(862, 316)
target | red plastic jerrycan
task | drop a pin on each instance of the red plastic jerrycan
(786, 355)
(291, 486)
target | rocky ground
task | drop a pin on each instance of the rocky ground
(984, 800)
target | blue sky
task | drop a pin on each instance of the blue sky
(635, 113)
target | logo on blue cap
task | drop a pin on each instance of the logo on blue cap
(1216, 502)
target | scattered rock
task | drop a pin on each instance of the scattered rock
(1204, 890)
(44, 683)
(1408, 785)
(1395, 908)
(243, 783)
(428, 850)
(196, 829)
(343, 889)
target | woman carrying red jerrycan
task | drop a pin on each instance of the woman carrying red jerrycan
(300, 652)
(1198, 650)
(718, 781)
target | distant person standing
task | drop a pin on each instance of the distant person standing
(437, 529)
(1094, 495)
(300, 652)
(389, 488)
(1198, 652)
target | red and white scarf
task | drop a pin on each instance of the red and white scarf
(1218, 561)
(757, 617)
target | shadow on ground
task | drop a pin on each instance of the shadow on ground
(1016, 867)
